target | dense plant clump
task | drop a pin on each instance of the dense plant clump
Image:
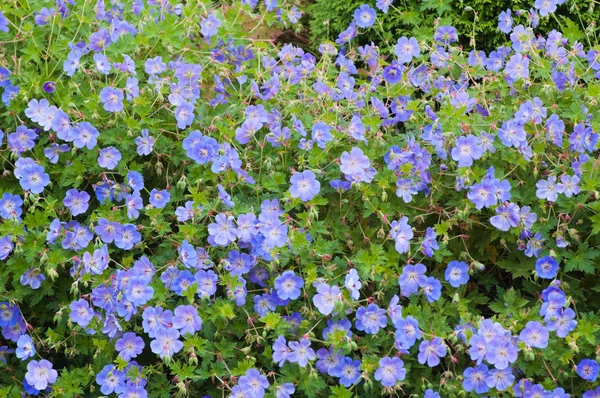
(187, 209)
(475, 20)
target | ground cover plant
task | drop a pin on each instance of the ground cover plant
(476, 21)
(189, 210)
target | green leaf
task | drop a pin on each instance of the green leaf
(70, 383)
(340, 392)
(582, 260)
(512, 303)
(571, 30)
(312, 384)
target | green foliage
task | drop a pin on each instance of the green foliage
(476, 20)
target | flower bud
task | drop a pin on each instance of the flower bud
(456, 298)
(182, 183)
(182, 388)
(193, 359)
(52, 274)
(478, 266)
(529, 356)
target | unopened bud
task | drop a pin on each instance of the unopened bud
(51, 272)
(182, 183)
(384, 196)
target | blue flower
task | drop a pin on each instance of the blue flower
(475, 379)
(507, 217)
(321, 134)
(402, 233)
(254, 383)
(457, 273)
(6, 247)
(340, 186)
(285, 390)
(186, 319)
(246, 131)
(10, 206)
(466, 150)
(587, 369)
(505, 21)
(280, 351)
(31, 176)
(263, 304)
(107, 231)
(446, 34)
(517, 67)
(326, 298)
(301, 352)
(563, 322)
(383, 5)
(32, 277)
(131, 89)
(22, 140)
(25, 348)
(431, 351)
(353, 284)
(3, 23)
(99, 40)
(9, 93)
(391, 370)
(432, 288)
(145, 143)
(81, 313)
(207, 282)
(184, 114)
(364, 16)
(500, 379)
(545, 7)
(159, 198)
(547, 267)
(167, 343)
(110, 380)
(222, 231)
(355, 162)
(289, 285)
(348, 371)
(210, 25)
(54, 152)
(138, 292)
(570, 185)
(109, 157)
(411, 278)
(429, 393)
(129, 346)
(406, 49)
(370, 319)
(393, 72)
(304, 185)
(112, 99)
(128, 237)
(102, 63)
(501, 353)
(154, 66)
(535, 335)
(185, 213)
(84, 135)
(40, 374)
(72, 63)
(225, 197)
(549, 189)
(429, 244)
(76, 201)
